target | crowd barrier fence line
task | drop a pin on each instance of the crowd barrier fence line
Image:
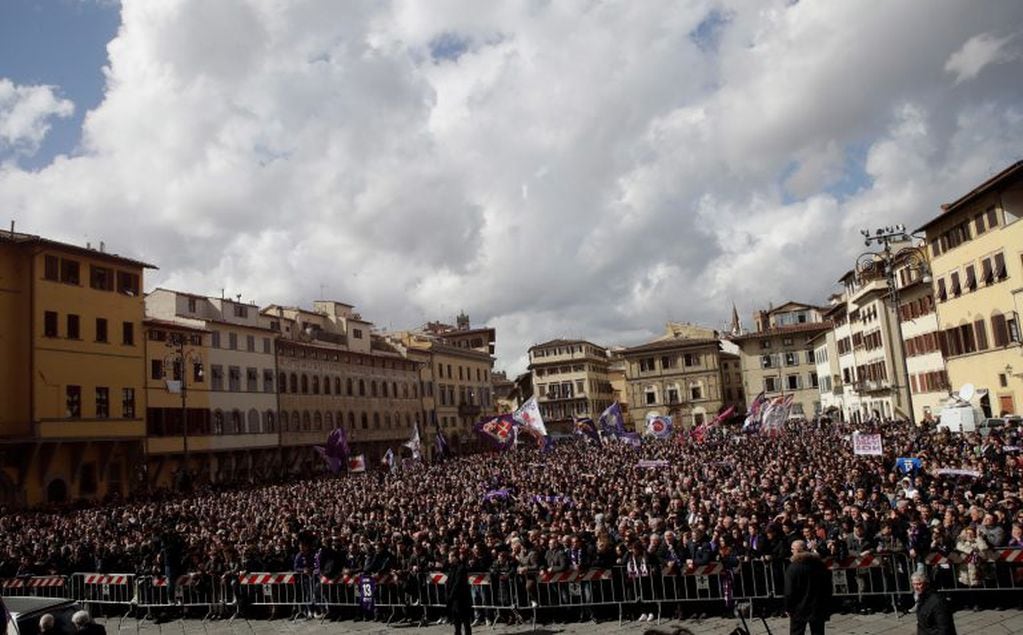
(864, 579)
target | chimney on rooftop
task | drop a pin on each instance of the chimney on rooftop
(102, 247)
(12, 228)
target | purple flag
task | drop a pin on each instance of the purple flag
(585, 427)
(335, 452)
(497, 430)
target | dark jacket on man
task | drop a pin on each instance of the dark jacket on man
(459, 598)
(933, 616)
(807, 588)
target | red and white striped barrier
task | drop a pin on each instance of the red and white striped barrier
(713, 568)
(14, 583)
(854, 562)
(46, 581)
(575, 576)
(103, 578)
(1011, 555)
(267, 578)
(351, 579)
(187, 579)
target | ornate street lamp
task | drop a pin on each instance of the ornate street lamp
(181, 355)
(873, 265)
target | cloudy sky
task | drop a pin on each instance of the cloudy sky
(556, 169)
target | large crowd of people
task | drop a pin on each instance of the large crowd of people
(729, 497)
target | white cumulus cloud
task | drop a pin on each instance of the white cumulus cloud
(979, 52)
(571, 169)
(25, 115)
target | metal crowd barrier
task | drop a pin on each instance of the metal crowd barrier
(992, 570)
(883, 577)
(104, 589)
(878, 578)
(274, 590)
(35, 586)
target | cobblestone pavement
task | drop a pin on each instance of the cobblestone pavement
(966, 622)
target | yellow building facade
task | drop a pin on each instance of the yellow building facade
(571, 378)
(72, 421)
(778, 358)
(976, 251)
(675, 376)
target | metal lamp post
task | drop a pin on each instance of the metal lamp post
(876, 264)
(176, 341)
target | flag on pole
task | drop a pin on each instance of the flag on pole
(658, 425)
(357, 463)
(611, 421)
(529, 418)
(498, 430)
(414, 444)
(722, 416)
(584, 426)
(441, 445)
(335, 451)
(389, 460)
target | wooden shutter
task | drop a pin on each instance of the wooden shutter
(999, 330)
(981, 334)
(1000, 272)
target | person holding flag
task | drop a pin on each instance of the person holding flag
(414, 444)
(611, 421)
(335, 452)
(528, 417)
(441, 445)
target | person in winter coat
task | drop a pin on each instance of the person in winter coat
(459, 597)
(933, 615)
(807, 591)
(973, 549)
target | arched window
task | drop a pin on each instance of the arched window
(351, 420)
(294, 382)
(365, 421)
(394, 389)
(326, 385)
(296, 421)
(362, 388)
(337, 385)
(268, 421)
(317, 420)
(373, 388)
(328, 420)
(408, 420)
(282, 381)
(218, 422)
(316, 385)
(387, 421)
(404, 390)
(305, 384)
(383, 388)
(306, 421)
(376, 420)
(253, 418)
(348, 387)
(236, 421)
(284, 420)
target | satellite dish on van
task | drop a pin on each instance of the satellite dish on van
(966, 392)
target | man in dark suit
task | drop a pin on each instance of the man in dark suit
(933, 616)
(459, 597)
(807, 591)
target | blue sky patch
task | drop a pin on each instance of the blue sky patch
(58, 43)
(448, 46)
